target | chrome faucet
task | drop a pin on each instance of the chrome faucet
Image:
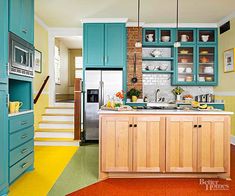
(157, 95)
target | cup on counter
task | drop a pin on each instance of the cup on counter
(15, 106)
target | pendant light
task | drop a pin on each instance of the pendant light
(177, 44)
(138, 44)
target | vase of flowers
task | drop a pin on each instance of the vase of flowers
(177, 91)
(133, 94)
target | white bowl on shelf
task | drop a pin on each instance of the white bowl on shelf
(181, 79)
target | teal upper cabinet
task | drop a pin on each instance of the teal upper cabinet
(3, 40)
(158, 36)
(104, 45)
(207, 36)
(3, 141)
(115, 37)
(21, 22)
(93, 45)
(187, 36)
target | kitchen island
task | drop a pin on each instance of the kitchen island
(164, 144)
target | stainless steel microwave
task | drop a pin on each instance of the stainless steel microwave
(21, 56)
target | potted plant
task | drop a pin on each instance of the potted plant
(133, 94)
(177, 91)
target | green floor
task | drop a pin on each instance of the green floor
(81, 171)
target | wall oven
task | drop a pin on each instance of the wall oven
(21, 56)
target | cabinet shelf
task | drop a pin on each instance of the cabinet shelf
(157, 58)
(157, 71)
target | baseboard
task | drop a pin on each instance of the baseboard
(232, 140)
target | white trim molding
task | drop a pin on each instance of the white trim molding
(104, 20)
(190, 25)
(134, 24)
(225, 93)
(232, 139)
(41, 22)
(226, 19)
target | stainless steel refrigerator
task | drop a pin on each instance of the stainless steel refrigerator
(99, 84)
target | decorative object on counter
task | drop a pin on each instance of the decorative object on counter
(134, 79)
(37, 61)
(133, 94)
(177, 91)
(165, 38)
(184, 38)
(229, 58)
(204, 60)
(138, 44)
(114, 103)
(205, 38)
(177, 44)
(156, 53)
(15, 106)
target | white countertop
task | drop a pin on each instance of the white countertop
(165, 112)
(20, 113)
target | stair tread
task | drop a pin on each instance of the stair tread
(56, 122)
(55, 139)
(54, 130)
(60, 107)
(58, 115)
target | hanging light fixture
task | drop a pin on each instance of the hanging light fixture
(177, 44)
(138, 44)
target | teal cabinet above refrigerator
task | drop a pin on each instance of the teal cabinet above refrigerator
(104, 45)
(21, 15)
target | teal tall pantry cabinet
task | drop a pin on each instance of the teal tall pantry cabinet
(3, 97)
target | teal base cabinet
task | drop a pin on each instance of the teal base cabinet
(3, 140)
(104, 45)
(21, 19)
(21, 145)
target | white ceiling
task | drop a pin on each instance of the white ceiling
(68, 13)
(72, 42)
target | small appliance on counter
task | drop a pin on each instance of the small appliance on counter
(21, 56)
(206, 98)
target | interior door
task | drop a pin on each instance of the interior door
(111, 83)
(213, 143)
(115, 45)
(149, 144)
(181, 144)
(116, 145)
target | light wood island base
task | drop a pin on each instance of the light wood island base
(136, 145)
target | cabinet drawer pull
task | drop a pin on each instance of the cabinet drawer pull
(24, 151)
(23, 122)
(130, 125)
(24, 136)
(135, 125)
(24, 165)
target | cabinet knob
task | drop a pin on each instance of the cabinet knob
(135, 125)
(195, 126)
(24, 31)
(130, 125)
(200, 126)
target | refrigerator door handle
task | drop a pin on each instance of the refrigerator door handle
(102, 85)
(100, 94)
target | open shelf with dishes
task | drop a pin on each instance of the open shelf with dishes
(157, 59)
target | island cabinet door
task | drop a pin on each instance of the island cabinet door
(213, 144)
(116, 138)
(149, 144)
(181, 144)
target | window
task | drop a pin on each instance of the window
(57, 65)
(78, 67)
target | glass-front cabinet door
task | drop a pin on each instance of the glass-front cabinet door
(207, 65)
(185, 66)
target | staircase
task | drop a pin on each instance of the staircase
(57, 126)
